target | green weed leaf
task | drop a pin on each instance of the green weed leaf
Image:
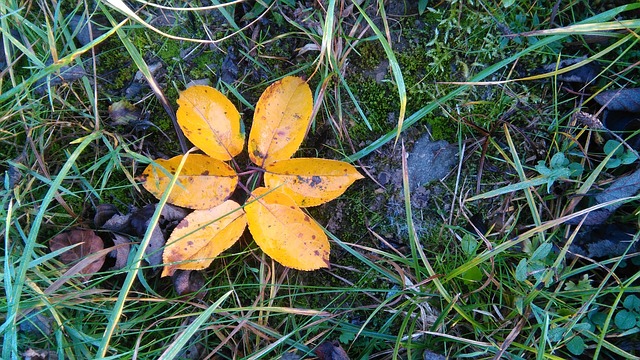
(583, 326)
(559, 161)
(556, 334)
(632, 303)
(628, 157)
(619, 156)
(472, 275)
(543, 169)
(521, 270)
(613, 146)
(576, 345)
(576, 169)
(625, 320)
(613, 163)
(347, 336)
(469, 245)
(598, 318)
(542, 251)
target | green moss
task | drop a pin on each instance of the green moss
(112, 65)
(443, 129)
(379, 101)
(370, 54)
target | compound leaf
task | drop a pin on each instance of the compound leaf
(284, 232)
(211, 122)
(203, 183)
(280, 121)
(203, 235)
(311, 181)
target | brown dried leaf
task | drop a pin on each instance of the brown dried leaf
(331, 350)
(89, 243)
(121, 253)
(189, 281)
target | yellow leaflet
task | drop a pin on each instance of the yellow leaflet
(311, 181)
(211, 122)
(280, 121)
(284, 232)
(203, 183)
(202, 236)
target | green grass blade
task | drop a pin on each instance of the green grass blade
(134, 266)
(510, 188)
(173, 349)
(10, 349)
(144, 68)
(393, 62)
(418, 115)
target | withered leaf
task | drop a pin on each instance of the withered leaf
(331, 350)
(89, 244)
(189, 281)
(104, 212)
(121, 252)
(124, 113)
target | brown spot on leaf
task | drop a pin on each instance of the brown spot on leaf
(259, 154)
(182, 224)
(315, 180)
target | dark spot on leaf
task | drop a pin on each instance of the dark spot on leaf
(258, 154)
(306, 218)
(190, 243)
(182, 224)
(313, 237)
(205, 173)
(315, 180)
(316, 253)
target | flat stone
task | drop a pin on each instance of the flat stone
(430, 161)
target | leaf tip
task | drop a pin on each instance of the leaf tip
(168, 270)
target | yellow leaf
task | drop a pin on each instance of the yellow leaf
(281, 120)
(203, 235)
(284, 232)
(203, 183)
(211, 122)
(311, 181)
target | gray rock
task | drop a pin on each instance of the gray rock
(430, 161)
(430, 355)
